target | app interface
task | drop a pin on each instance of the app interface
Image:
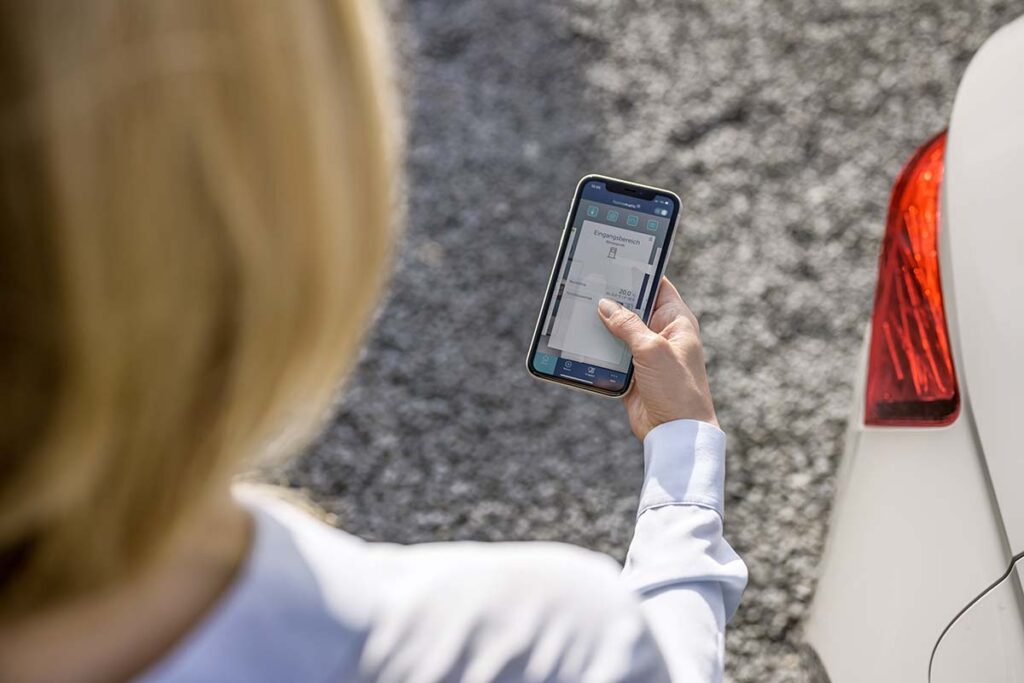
(614, 248)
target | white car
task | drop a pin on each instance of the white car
(922, 577)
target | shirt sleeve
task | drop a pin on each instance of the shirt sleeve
(688, 578)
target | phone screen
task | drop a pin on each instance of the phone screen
(616, 245)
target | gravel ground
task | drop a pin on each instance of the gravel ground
(780, 125)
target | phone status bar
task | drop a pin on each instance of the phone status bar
(660, 205)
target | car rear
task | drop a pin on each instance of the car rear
(928, 516)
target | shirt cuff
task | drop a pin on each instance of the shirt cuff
(684, 464)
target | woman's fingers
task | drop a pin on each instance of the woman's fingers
(624, 324)
(671, 319)
(669, 307)
(670, 381)
(667, 294)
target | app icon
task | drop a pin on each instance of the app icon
(590, 369)
(652, 224)
(592, 211)
(632, 221)
(613, 216)
(544, 362)
(567, 364)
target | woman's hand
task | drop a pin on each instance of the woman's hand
(671, 381)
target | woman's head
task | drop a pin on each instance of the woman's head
(194, 226)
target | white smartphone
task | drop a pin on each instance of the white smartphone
(616, 244)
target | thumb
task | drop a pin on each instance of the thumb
(623, 323)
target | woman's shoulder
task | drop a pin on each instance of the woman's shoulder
(454, 609)
(394, 575)
(292, 612)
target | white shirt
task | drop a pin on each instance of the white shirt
(313, 603)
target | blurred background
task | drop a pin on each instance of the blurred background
(782, 126)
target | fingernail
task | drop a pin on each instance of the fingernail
(607, 307)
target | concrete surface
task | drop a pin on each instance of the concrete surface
(782, 126)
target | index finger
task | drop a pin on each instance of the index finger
(668, 306)
(667, 294)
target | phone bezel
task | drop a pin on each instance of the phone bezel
(642, 191)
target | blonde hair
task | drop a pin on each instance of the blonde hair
(194, 228)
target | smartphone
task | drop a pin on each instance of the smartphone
(615, 244)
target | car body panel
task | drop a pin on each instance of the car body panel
(925, 519)
(913, 539)
(986, 642)
(983, 259)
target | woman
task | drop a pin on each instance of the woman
(194, 233)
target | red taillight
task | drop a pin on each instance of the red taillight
(911, 380)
